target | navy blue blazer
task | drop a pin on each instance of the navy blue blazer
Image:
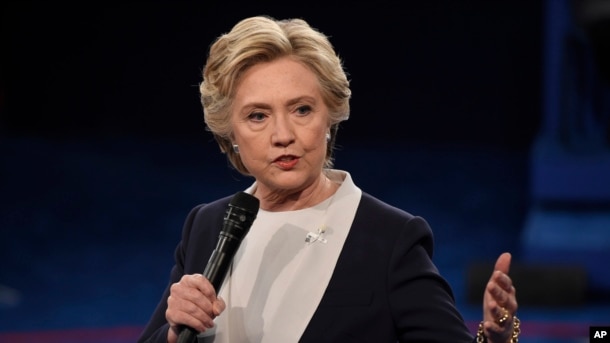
(385, 287)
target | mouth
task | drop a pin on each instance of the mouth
(286, 161)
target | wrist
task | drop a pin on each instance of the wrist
(514, 338)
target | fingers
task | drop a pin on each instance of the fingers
(219, 306)
(499, 294)
(500, 288)
(199, 282)
(503, 263)
(192, 302)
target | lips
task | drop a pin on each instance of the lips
(286, 161)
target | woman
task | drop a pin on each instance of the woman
(324, 261)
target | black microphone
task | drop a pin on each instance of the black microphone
(238, 219)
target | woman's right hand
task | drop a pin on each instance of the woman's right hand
(192, 302)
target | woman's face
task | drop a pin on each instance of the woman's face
(280, 123)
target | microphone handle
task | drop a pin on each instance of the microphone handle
(187, 335)
(220, 261)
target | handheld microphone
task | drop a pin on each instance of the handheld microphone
(238, 219)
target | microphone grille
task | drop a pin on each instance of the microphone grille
(245, 201)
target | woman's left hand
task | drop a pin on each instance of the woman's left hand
(499, 303)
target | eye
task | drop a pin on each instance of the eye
(303, 110)
(256, 116)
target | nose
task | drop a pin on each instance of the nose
(283, 134)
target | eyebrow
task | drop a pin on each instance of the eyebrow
(300, 99)
(289, 103)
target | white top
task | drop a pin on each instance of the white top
(283, 267)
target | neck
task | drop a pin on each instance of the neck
(322, 189)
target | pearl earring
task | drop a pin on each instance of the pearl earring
(236, 148)
(328, 136)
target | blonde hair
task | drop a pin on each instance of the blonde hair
(264, 39)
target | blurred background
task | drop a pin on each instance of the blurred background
(491, 119)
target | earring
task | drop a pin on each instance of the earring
(236, 148)
(328, 136)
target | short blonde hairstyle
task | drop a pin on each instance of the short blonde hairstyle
(264, 39)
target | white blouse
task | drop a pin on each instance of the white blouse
(283, 267)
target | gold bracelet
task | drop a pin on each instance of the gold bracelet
(513, 339)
